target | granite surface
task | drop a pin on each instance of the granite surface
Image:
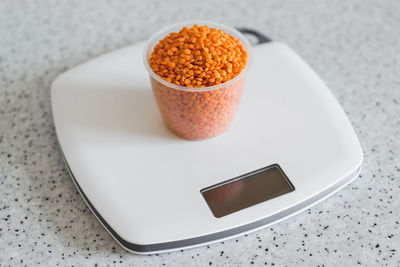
(353, 45)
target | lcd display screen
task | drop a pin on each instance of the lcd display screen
(247, 190)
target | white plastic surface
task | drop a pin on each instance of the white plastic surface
(145, 181)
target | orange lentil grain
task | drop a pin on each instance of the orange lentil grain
(211, 48)
(199, 57)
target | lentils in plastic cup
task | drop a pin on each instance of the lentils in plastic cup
(197, 73)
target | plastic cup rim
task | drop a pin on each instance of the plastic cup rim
(166, 30)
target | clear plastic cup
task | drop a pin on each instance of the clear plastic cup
(197, 112)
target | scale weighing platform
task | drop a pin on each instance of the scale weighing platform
(289, 147)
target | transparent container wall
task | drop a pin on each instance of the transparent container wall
(198, 115)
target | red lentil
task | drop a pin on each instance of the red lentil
(198, 57)
(219, 55)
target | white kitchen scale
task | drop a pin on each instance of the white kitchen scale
(290, 146)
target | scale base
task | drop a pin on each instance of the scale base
(144, 183)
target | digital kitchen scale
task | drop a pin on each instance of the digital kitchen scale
(290, 146)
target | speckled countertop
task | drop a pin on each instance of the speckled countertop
(353, 45)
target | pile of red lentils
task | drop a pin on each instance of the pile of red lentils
(198, 56)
